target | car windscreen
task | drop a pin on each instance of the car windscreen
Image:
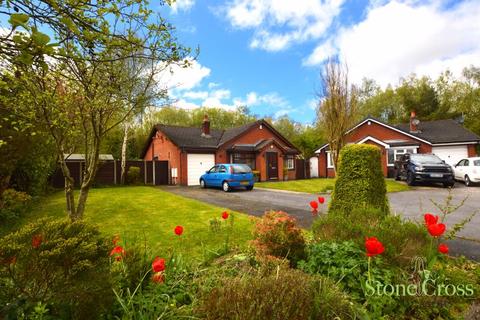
(241, 168)
(426, 158)
(476, 163)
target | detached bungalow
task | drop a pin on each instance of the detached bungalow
(192, 151)
(447, 139)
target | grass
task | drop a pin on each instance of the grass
(142, 212)
(320, 185)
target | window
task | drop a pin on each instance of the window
(244, 158)
(290, 163)
(241, 168)
(213, 170)
(394, 154)
(329, 160)
(222, 169)
(476, 163)
(466, 163)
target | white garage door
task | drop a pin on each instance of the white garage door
(197, 164)
(451, 154)
(313, 167)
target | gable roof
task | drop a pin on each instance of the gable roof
(430, 132)
(188, 137)
(442, 131)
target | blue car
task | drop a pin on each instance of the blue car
(228, 176)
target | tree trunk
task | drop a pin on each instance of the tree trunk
(124, 153)
(91, 166)
(69, 186)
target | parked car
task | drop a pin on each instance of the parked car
(420, 167)
(468, 170)
(228, 176)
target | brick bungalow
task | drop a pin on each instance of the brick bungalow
(448, 139)
(192, 151)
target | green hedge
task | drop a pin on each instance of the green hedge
(360, 181)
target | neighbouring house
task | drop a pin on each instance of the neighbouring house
(192, 151)
(447, 139)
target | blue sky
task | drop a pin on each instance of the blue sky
(267, 54)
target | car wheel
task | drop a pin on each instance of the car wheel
(203, 184)
(225, 186)
(468, 183)
(410, 179)
(250, 188)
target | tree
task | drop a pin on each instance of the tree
(337, 106)
(101, 73)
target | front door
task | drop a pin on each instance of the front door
(272, 165)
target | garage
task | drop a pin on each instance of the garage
(197, 164)
(451, 154)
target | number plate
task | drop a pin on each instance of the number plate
(245, 183)
(436, 175)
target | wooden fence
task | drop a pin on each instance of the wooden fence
(109, 172)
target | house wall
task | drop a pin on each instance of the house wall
(472, 150)
(253, 136)
(164, 149)
(378, 132)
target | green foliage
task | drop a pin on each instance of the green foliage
(12, 205)
(278, 235)
(57, 263)
(360, 181)
(133, 175)
(403, 240)
(288, 294)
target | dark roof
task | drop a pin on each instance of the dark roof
(188, 137)
(441, 131)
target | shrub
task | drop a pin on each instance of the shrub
(277, 235)
(403, 240)
(360, 180)
(60, 264)
(256, 175)
(133, 175)
(288, 294)
(12, 204)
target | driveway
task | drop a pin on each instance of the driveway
(410, 204)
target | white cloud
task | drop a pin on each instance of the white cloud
(195, 94)
(398, 38)
(182, 5)
(278, 24)
(178, 78)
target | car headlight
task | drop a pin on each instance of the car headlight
(418, 168)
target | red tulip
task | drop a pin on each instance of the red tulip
(436, 229)
(178, 230)
(225, 215)
(443, 248)
(373, 246)
(37, 240)
(321, 200)
(118, 252)
(430, 219)
(158, 264)
(314, 205)
(158, 277)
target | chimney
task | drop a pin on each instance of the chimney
(413, 122)
(206, 127)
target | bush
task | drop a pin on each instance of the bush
(288, 294)
(133, 175)
(60, 264)
(256, 175)
(12, 204)
(403, 240)
(360, 181)
(277, 235)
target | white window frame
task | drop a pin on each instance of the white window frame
(395, 152)
(290, 163)
(329, 160)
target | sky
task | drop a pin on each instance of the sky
(268, 54)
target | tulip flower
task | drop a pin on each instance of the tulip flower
(225, 215)
(118, 252)
(430, 219)
(373, 246)
(321, 200)
(158, 277)
(436, 229)
(178, 230)
(158, 264)
(37, 240)
(443, 248)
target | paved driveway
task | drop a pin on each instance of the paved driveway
(410, 204)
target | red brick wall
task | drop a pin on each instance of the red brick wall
(472, 150)
(164, 149)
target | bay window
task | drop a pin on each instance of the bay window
(244, 158)
(395, 153)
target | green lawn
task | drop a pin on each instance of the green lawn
(320, 185)
(137, 212)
